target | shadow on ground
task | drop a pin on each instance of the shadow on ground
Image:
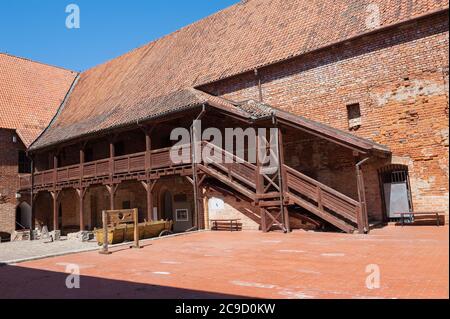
(24, 283)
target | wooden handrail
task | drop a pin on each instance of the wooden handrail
(322, 186)
(129, 156)
(236, 159)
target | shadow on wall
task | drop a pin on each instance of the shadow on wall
(24, 283)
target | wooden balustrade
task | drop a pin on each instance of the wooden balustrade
(127, 164)
(323, 197)
(230, 165)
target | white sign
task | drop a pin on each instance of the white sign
(216, 204)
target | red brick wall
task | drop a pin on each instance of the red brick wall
(400, 79)
(8, 179)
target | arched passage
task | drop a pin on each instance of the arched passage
(23, 216)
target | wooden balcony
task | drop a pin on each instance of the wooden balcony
(137, 163)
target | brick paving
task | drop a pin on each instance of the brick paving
(413, 262)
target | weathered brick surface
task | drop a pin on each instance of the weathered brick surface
(400, 79)
(8, 179)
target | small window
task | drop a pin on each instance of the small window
(182, 215)
(354, 116)
(24, 163)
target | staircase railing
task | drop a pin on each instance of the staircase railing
(323, 198)
(229, 166)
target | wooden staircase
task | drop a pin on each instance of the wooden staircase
(272, 198)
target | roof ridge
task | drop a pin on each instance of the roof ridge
(37, 62)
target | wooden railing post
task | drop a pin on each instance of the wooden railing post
(82, 159)
(112, 154)
(55, 169)
(148, 151)
(283, 181)
(363, 220)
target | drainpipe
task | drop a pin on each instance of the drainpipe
(194, 166)
(364, 228)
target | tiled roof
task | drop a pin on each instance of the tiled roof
(30, 94)
(245, 36)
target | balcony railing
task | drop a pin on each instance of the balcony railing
(127, 164)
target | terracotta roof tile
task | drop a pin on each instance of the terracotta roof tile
(243, 37)
(30, 94)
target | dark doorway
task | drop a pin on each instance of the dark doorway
(167, 205)
(396, 190)
(23, 216)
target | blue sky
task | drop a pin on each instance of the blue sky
(36, 29)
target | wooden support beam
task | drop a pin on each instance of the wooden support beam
(262, 212)
(149, 186)
(283, 181)
(259, 175)
(55, 195)
(363, 220)
(81, 194)
(112, 189)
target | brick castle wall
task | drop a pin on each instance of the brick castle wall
(8, 179)
(400, 79)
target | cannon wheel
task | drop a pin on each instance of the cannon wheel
(165, 233)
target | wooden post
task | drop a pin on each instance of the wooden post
(32, 222)
(149, 186)
(262, 212)
(55, 195)
(104, 250)
(81, 194)
(82, 159)
(283, 181)
(149, 203)
(55, 169)
(112, 192)
(112, 154)
(148, 149)
(136, 229)
(363, 220)
(260, 182)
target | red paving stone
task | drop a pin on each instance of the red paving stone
(413, 263)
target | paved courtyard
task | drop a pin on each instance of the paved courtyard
(413, 263)
(24, 250)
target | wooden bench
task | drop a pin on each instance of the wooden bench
(233, 224)
(411, 214)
